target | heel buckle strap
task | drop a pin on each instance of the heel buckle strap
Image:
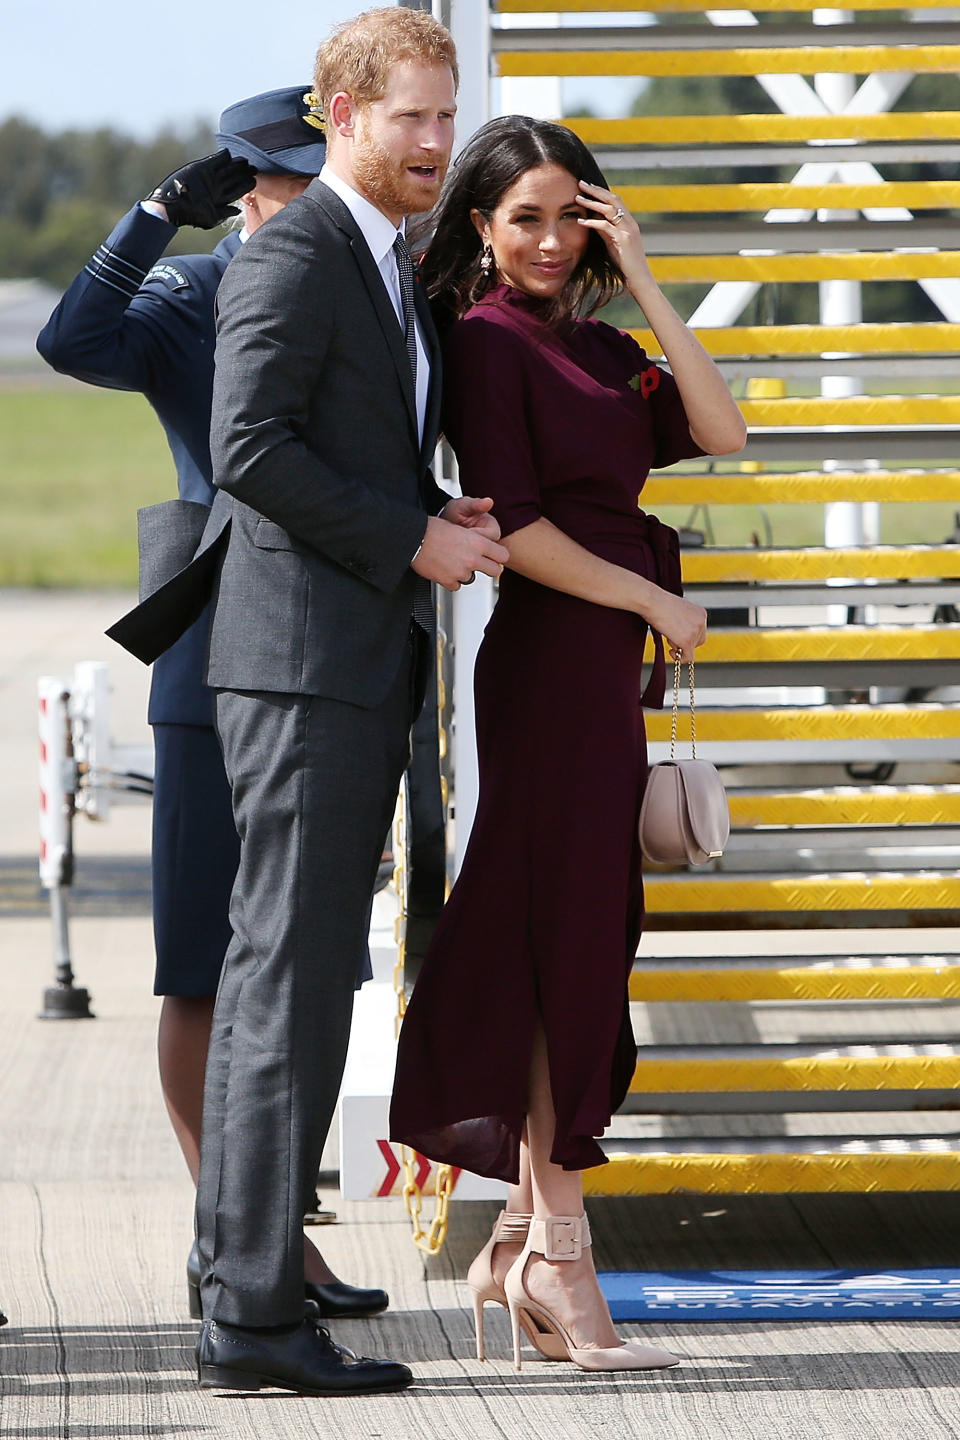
(560, 1237)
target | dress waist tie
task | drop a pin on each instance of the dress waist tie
(665, 545)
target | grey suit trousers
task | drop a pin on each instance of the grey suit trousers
(314, 784)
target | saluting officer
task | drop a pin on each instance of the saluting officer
(132, 320)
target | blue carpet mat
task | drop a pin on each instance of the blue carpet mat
(727, 1295)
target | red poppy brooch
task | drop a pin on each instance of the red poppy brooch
(646, 382)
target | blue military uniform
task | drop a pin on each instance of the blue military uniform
(134, 321)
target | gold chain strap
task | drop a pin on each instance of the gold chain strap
(431, 1241)
(677, 662)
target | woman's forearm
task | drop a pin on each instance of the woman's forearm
(712, 413)
(545, 554)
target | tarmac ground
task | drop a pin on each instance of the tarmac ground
(96, 1210)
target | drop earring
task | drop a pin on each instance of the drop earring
(486, 259)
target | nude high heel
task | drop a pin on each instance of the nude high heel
(510, 1228)
(564, 1237)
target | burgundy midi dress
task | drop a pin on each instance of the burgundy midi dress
(545, 917)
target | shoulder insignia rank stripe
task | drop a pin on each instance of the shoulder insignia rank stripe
(169, 275)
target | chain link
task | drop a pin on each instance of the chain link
(693, 711)
(430, 1241)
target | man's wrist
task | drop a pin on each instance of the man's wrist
(155, 207)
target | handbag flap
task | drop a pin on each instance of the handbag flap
(708, 812)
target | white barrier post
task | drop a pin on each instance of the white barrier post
(89, 716)
(63, 1000)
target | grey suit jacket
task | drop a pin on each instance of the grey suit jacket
(314, 435)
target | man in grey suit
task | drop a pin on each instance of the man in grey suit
(325, 417)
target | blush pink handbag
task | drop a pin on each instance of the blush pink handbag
(684, 818)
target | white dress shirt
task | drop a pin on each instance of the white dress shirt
(380, 233)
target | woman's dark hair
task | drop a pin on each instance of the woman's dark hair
(493, 160)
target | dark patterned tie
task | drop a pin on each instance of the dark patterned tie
(405, 271)
(424, 610)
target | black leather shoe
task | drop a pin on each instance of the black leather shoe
(305, 1360)
(335, 1301)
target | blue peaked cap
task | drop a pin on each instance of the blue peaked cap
(275, 132)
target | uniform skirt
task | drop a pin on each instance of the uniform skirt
(195, 855)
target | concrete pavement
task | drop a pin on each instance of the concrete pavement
(95, 1217)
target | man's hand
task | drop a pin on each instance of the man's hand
(473, 515)
(200, 192)
(452, 553)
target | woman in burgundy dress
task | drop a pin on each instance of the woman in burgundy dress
(517, 1045)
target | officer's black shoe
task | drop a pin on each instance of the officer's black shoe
(3, 1318)
(336, 1301)
(305, 1360)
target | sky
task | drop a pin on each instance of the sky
(64, 64)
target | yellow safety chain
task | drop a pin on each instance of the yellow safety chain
(400, 923)
(430, 1241)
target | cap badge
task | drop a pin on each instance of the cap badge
(315, 118)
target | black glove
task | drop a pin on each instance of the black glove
(200, 193)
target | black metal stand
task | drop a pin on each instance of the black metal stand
(64, 1000)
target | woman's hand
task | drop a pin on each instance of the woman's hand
(619, 230)
(681, 623)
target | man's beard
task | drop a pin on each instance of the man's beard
(387, 184)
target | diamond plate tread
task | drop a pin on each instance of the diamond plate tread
(723, 893)
(714, 564)
(854, 410)
(767, 129)
(779, 60)
(828, 644)
(800, 488)
(773, 195)
(928, 337)
(799, 267)
(841, 1069)
(787, 1174)
(845, 805)
(808, 982)
(819, 722)
(584, 7)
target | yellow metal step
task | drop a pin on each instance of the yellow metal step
(713, 894)
(819, 722)
(845, 805)
(766, 129)
(785, 60)
(830, 643)
(715, 565)
(802, 268)
(863, 981)
(773, 1174)
(783, 195)
(930, 338)
(803, 488)
(854, 410)
(585, 7)
(846, 1068)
